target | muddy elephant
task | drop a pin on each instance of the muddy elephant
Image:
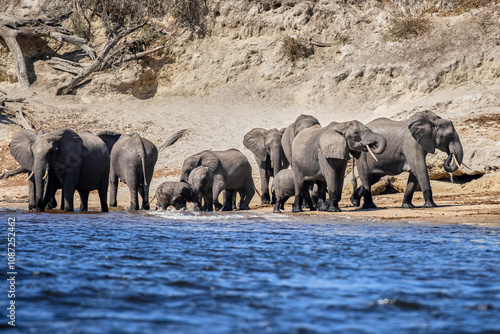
(284, 188)
(408, 143)
(302, 122)
(269, 155)
(231, 172)
(321, 154)
(133, 159)
(202, 181)
(174, 193)
(63, 159)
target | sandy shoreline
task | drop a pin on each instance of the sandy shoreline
(482, 209)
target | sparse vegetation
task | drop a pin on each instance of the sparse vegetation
(188, 11)
(406, 25)
(78, 26)
(293, 48)
(462, 6)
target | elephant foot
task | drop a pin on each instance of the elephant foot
(355, 201)
(408, 206)
(276, 211)
(217, 206)
(297, 209)
(313, 209)
(369, 206)
(146, 207)
(430, 204)
(242, 208)
(322, 207)
(265, 202)
(334, 208)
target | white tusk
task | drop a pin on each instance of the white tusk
(371, 153)
(455, 159)
(29, 177)
(45, 176)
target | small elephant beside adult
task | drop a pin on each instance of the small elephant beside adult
(132, 159)
(62, 159)
(408, 143)
(268, 151)
(284, 188)
(174, 193)
(321, 154)
(231, 172)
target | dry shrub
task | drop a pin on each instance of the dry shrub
(406, 26)
(462, 6)
(189, 11)
(293, 48)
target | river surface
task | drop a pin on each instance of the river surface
(126, 272)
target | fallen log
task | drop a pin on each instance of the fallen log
(170, 140)
(23, 121)
(11, 27)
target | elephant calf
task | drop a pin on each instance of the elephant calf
(174, 193)
(284, 188)
(202, 181)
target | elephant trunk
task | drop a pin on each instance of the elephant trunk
(455, 156)
(375, 141)
(276, 160)
(40, 171)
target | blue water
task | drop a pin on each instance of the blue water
(124, 272)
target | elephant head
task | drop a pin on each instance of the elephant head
(205, 159)
(266, 146)
(56, 153)
(340, 139)
(431, 132)
(302, 122)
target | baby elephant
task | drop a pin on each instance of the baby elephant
(173, 193)
(202, 181)
(284, 188)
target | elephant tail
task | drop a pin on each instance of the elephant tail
(143, 161)
(152, 199)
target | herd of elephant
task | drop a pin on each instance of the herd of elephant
(318, 156)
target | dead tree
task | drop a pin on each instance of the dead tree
(11, 27)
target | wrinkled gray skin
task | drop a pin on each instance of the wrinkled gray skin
(231, 172)
(302, 122)
(284, 188)
(408, 143)
(133, 160)
(71, 161)
(202, 181)
(269, 155)
(174, 193)
(321, 154)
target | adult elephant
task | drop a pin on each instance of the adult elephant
(408, 143)
(231, 172)
(133, 159)
(321, 154)
(302, 122)
(63, 159)
(268, 152)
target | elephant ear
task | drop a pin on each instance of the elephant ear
(333, 145)
(422, 129)
(209, 160)
(71, 148)
(254, 140)
(20, 148)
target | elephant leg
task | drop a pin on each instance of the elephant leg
(279, 204)
(144, 193)
(307, 197)
(69, 194)
(334, 177)
(322, 205)
(299, 190)
(409, 191)
(134, 197)
(103, 193)
(113, 189)
(247, 196)
(218, 186)
(84, 200)
(228, 200)
(356, 196)
(62, 199)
